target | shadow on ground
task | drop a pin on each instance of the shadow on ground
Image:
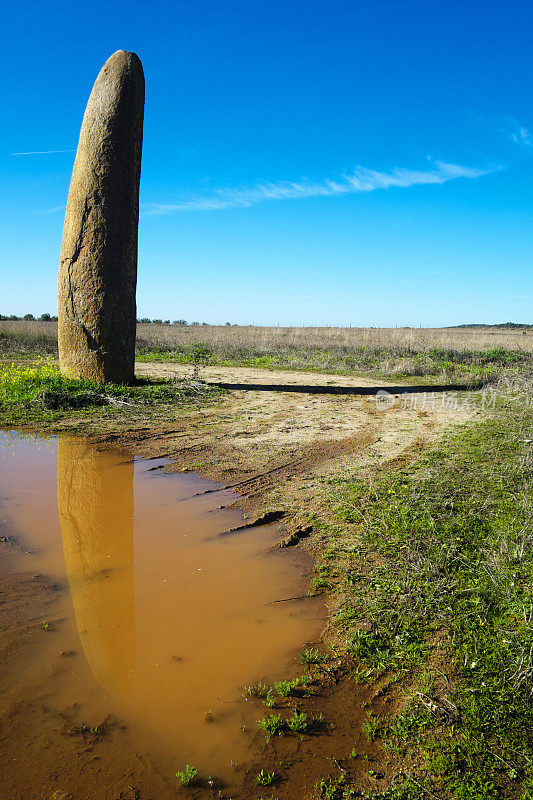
(358, 390)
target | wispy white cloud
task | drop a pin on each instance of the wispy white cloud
(43, 152)
(519, 134)
(522, 136)
(52, 210)
(356, 182)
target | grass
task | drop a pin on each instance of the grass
(266, 778)
(276, 338)
(433, 365)
(440, 558)
(370, 726)
(288, 688)
(187, 776)
(281, 689)
(310, 655)
(270, 699)
(333, 788)
(428, 355)
(257, 690)
(28, 338)
(39, 393)
(262, 338)
(298, 722)
(433, 564)
(272, 725)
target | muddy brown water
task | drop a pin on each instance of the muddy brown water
(167, 620)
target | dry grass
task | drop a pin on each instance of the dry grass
(465, 355)
(415, 340)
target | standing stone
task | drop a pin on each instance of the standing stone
(98, 262)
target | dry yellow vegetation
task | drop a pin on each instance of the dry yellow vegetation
(417, 340)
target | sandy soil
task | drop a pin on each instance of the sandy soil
(276, 448)
(264, 437)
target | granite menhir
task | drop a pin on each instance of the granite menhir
(98, 262)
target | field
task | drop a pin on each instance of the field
(415, 340)
(417, 512)
(265, 339)
(435, 353)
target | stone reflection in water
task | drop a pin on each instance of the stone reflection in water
(95, 507)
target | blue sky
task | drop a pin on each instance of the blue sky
(324, 163)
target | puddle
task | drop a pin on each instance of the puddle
(166, 620)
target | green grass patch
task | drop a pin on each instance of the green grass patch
(272, 725)
(298, 722)
(187, 776)
(40, 393)
(440, 595)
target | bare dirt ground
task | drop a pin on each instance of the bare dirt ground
(261, 439)
(278, 449)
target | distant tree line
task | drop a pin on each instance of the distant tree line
(42, 318)
(499, 325)
(146, 320)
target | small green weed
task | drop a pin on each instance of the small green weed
(286, 688)
(272, 725)
(329, 789)
(298, 723)
(270, 699)
(187, 776)
(266, 778)
(370, 726)
(256, 690)
(319, 585)
(310, 655)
